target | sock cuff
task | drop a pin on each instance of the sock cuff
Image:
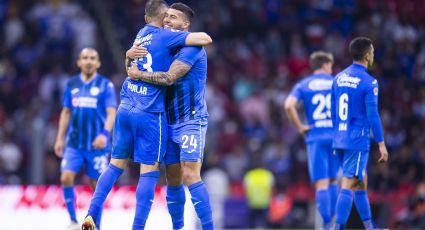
(346, 192)
(115, 168)
(322, 191)
(154, 174)
(360, 192)
(195, 185)
(174, 188)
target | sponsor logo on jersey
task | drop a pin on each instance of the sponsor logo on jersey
(84, 102)
(345, 80)
(74, 91)
(320, 84)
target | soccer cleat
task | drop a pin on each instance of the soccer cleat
(88, 224)
(73, 226)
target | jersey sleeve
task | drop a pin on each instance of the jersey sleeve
(175, 39)
(67, 98)
(297, 92)
(371, 102)
(110, 97)
(189, 55)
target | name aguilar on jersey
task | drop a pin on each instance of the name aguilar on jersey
(319, 85)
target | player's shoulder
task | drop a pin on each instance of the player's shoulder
(317, 82)
(105, 80)
(74, 80)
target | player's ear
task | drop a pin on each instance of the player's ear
(78, 63)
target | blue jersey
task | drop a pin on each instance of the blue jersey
(186, 97)
(315, 91)
(352, 91)
(88, 103)
(161, 45)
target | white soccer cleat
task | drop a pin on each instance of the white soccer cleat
(73, 226)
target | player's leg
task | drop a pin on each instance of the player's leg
(96, 163)
(318, 166)
(122, 150)
(150, 146)
(145, 193)
(354, 163)
(334, 166)
(176, 197)
(70, 166)
(361, 199)
(192, 151)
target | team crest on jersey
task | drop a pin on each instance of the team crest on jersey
(94, 91)
(375, 91)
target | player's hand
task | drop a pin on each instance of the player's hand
(100, 142)
(303, 129)
(133, 72)
(59, 145)
(136, 51)
(383, 153)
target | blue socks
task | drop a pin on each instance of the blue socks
(343, 206)
(175, 202)
(323, 205)
(145, 193)
(69, 197)
(104, 185)
(333, 193)
(201, 202)
(361, 201)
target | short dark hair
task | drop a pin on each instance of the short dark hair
(153, 8)
(319, 58)
(359, 47)
(190, 14)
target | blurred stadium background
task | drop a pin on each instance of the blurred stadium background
(260, 49)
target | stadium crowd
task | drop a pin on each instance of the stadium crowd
(261, 47)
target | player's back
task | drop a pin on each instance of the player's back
(315, 91)
(186, 97)
(88, 102)
(161, 45)
(350, 90)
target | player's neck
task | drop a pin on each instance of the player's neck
(155, 23)
(362, 63)
(88, 77)
(320, 71)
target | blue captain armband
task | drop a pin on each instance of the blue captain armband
(106, 133)
(375, 122)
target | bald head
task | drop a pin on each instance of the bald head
(88, 62)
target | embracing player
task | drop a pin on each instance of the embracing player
(315, 92)
(187, 121)
(354, 114)
(87, 117)
(140, 131)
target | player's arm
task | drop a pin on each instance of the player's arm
(198, 39)
(375, 121)
(291, 110)
(136, 51)
(177, 70)
(65, 116)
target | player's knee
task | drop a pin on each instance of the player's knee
(93, 184)
(190, 176)
(322, 184)
(67, 179)
(120, 163)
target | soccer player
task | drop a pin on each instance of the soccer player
(315, 92)
(140, 131)
(187, 118)
(87, 117)
(354, 113)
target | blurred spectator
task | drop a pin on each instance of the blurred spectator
(258, 184)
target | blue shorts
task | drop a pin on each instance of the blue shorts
(95, 161)
(186, 141)
(322, 163)
(139, 135)
(354, 162)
